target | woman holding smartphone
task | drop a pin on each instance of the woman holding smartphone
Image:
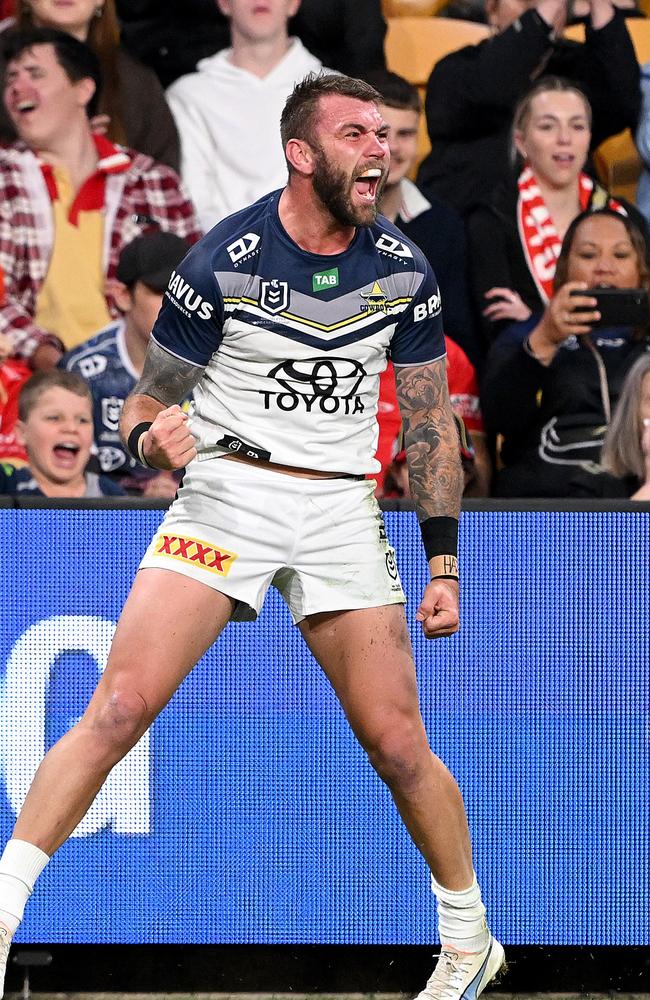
(552, 381)
(516, 235)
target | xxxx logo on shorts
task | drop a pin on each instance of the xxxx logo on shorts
(195, 552)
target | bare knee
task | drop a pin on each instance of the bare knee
(116, 722)
(399, 752)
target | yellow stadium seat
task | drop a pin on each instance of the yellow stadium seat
(415, 44)
(411, 8)
(638, 27)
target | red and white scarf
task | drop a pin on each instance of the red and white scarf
(538, 235)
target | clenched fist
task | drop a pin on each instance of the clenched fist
(169, 444)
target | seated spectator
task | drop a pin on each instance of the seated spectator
(464, 397)
(625, 458)
(347, 35)
(55, 425)
(551, 382)
(228, 113)
(132, 104)
(437, 229)
(516, 235)
(70, 200)
(472, 93)
(112, 361)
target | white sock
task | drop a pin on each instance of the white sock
(20, 865)
(461, 918)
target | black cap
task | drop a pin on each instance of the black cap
(151, 259)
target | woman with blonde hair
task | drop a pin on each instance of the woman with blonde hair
(132, 107)
(516, 235)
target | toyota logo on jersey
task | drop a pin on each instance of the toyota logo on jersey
(326, 383)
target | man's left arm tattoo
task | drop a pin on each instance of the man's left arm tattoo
(431, 440)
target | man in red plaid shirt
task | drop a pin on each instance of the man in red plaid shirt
(70, 200)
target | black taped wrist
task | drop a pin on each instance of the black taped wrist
(440, 536)
(133, 444)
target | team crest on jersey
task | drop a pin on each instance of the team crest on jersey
(111, 410)
(394, 247)
(375, 300)
(274, 296)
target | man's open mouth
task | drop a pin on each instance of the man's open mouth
(366, 184)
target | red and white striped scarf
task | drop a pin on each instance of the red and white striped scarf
(538, 235)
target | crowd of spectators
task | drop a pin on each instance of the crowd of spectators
(128, 128)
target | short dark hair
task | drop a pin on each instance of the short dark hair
(298, 116)
(53, 378)
(394, 90)
(76, 59)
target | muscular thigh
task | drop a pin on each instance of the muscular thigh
(368, 659)
(168, 622)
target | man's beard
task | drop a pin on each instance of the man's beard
(333, 187)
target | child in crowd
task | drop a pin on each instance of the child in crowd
(55, 426)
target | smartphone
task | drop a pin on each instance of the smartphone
(619, 306)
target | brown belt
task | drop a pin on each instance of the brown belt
(290, 470)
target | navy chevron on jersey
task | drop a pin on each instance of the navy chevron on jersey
(293, 343)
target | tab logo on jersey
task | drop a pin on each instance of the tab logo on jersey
(325, 279)
(111, 409)
(186, 299)
(274, 296)
(243, 247)
(388, 244)
(194, 552)
(431, 307)
(326, 385)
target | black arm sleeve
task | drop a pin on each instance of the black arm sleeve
(483, 78)
(610, 73)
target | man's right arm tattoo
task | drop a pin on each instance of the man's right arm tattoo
(165, 377)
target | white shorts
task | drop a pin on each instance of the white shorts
(239, 528)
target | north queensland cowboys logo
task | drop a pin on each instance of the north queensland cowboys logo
(274, 296)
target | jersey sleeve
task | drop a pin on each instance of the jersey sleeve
(190, 322)
(419, 336)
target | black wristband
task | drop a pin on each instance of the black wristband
(440, 536)
(133, 443)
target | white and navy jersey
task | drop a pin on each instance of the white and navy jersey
(104, 363)
(293, 343)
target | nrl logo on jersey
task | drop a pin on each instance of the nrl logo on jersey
(393, 247)
(274, 296)
(243, 248)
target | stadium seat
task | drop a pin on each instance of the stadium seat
(617, 160)
(411, 8)
(415, 44)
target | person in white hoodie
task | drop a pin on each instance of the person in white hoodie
(228, 112)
